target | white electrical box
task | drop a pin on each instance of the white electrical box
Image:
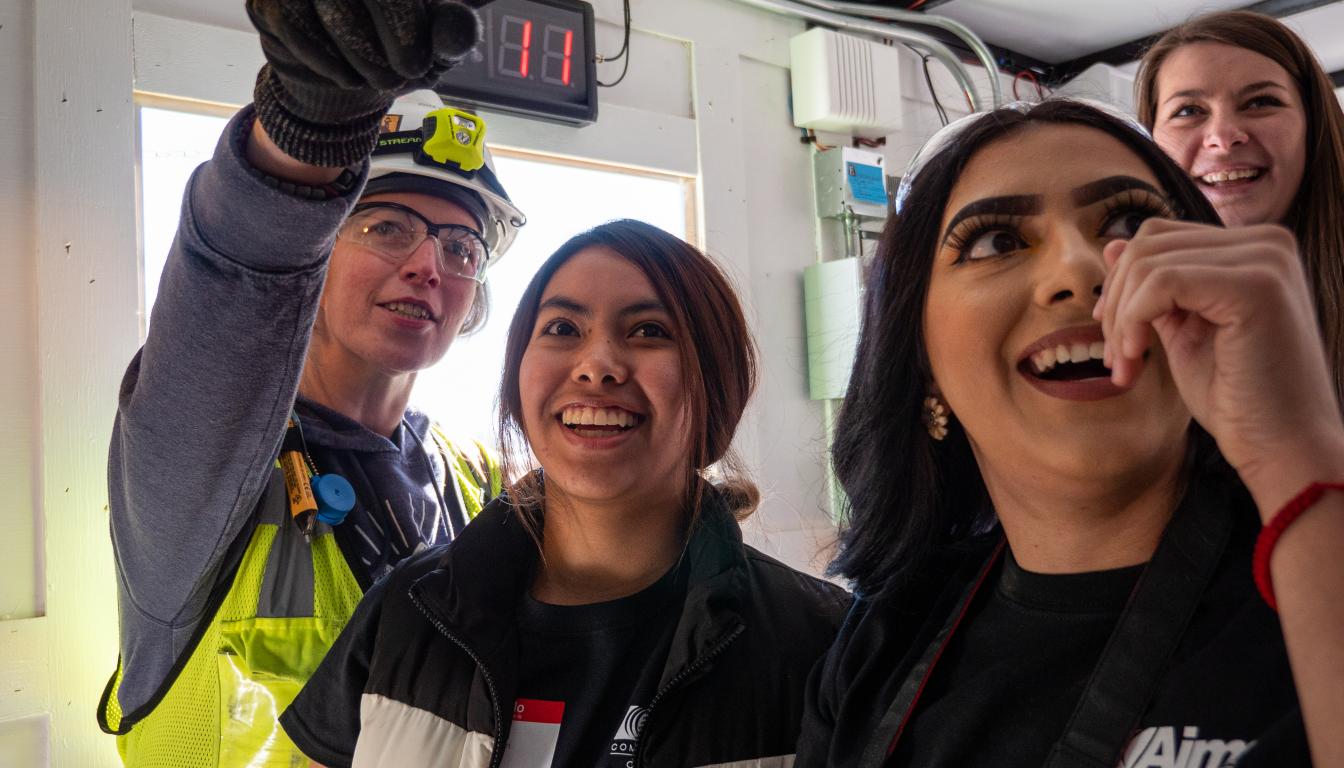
(853, 179)
(845, 84)
(832, 307)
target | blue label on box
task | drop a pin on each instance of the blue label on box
(866, 183)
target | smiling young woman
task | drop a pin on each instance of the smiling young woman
(1242, 104)
(1052, 557)
(606, 612)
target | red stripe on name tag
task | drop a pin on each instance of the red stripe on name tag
(538, 711)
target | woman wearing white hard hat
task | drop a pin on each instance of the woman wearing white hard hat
(265, 468)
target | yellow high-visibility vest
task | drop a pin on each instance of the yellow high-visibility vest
(288, 601)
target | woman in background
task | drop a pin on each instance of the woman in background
(1242, 104)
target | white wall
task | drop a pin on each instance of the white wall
(67, 327)
(20, 596)
(707, 94)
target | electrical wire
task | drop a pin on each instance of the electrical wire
(1028, 74)
(928, 80)
(624, 53)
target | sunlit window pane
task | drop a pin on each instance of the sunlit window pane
(172, 144)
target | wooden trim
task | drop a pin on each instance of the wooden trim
(690, 191)
(184, 104)
(583, 162)
(24, 647)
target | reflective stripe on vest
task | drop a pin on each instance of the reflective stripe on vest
(287, 603)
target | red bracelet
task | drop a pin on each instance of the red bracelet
(1269, 535)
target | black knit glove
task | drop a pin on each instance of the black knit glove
(335, 66)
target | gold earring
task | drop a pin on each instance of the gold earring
(934, 416)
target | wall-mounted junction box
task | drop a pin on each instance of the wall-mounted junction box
(845, 84)
(850, 178)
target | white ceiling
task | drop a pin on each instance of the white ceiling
(1048, 30)
(1060, 30)
(1323, 29)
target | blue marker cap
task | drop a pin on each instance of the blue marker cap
(335, 498)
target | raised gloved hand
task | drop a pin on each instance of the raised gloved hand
(335, 66)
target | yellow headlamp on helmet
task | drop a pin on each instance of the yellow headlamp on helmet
(424, 137)
(454, 136)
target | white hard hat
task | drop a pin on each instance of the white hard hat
(425, 144)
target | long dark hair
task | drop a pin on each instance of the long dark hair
(909, 497)
(1314, 216)
(718, 357)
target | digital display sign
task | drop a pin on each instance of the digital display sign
(536, 60)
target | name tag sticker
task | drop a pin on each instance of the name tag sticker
(534, 733)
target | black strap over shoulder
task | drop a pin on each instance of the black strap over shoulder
(1145, 637)
(893, 723)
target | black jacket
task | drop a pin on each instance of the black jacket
(427, 666)
(1228, 679)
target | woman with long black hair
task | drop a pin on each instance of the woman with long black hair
(1078, 408)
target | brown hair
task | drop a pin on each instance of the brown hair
(1314, 216)
(718, 358)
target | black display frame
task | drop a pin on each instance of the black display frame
(480, 94)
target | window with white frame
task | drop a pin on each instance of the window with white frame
(560, 198)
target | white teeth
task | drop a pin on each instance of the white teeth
(1222, 176)
(583, 416)
(409, 310)
(1078, 352)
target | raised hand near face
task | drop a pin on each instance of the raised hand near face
(335, 66)
(1235, 318)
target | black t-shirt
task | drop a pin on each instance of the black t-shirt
(1004, 689)
(587, 674)
(1006, 686)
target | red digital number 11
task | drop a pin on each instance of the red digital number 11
(522, 44)
(557, 44)
(558, 49)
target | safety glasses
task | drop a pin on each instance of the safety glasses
(394, 232)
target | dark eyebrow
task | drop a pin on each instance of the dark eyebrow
(1101, 189)
(566, 304)
(1195, 93)
(1259, 85)
(1189, 93)
(652, 305)
(1011, 205)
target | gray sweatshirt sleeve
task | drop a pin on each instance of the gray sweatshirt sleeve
(202, 407)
